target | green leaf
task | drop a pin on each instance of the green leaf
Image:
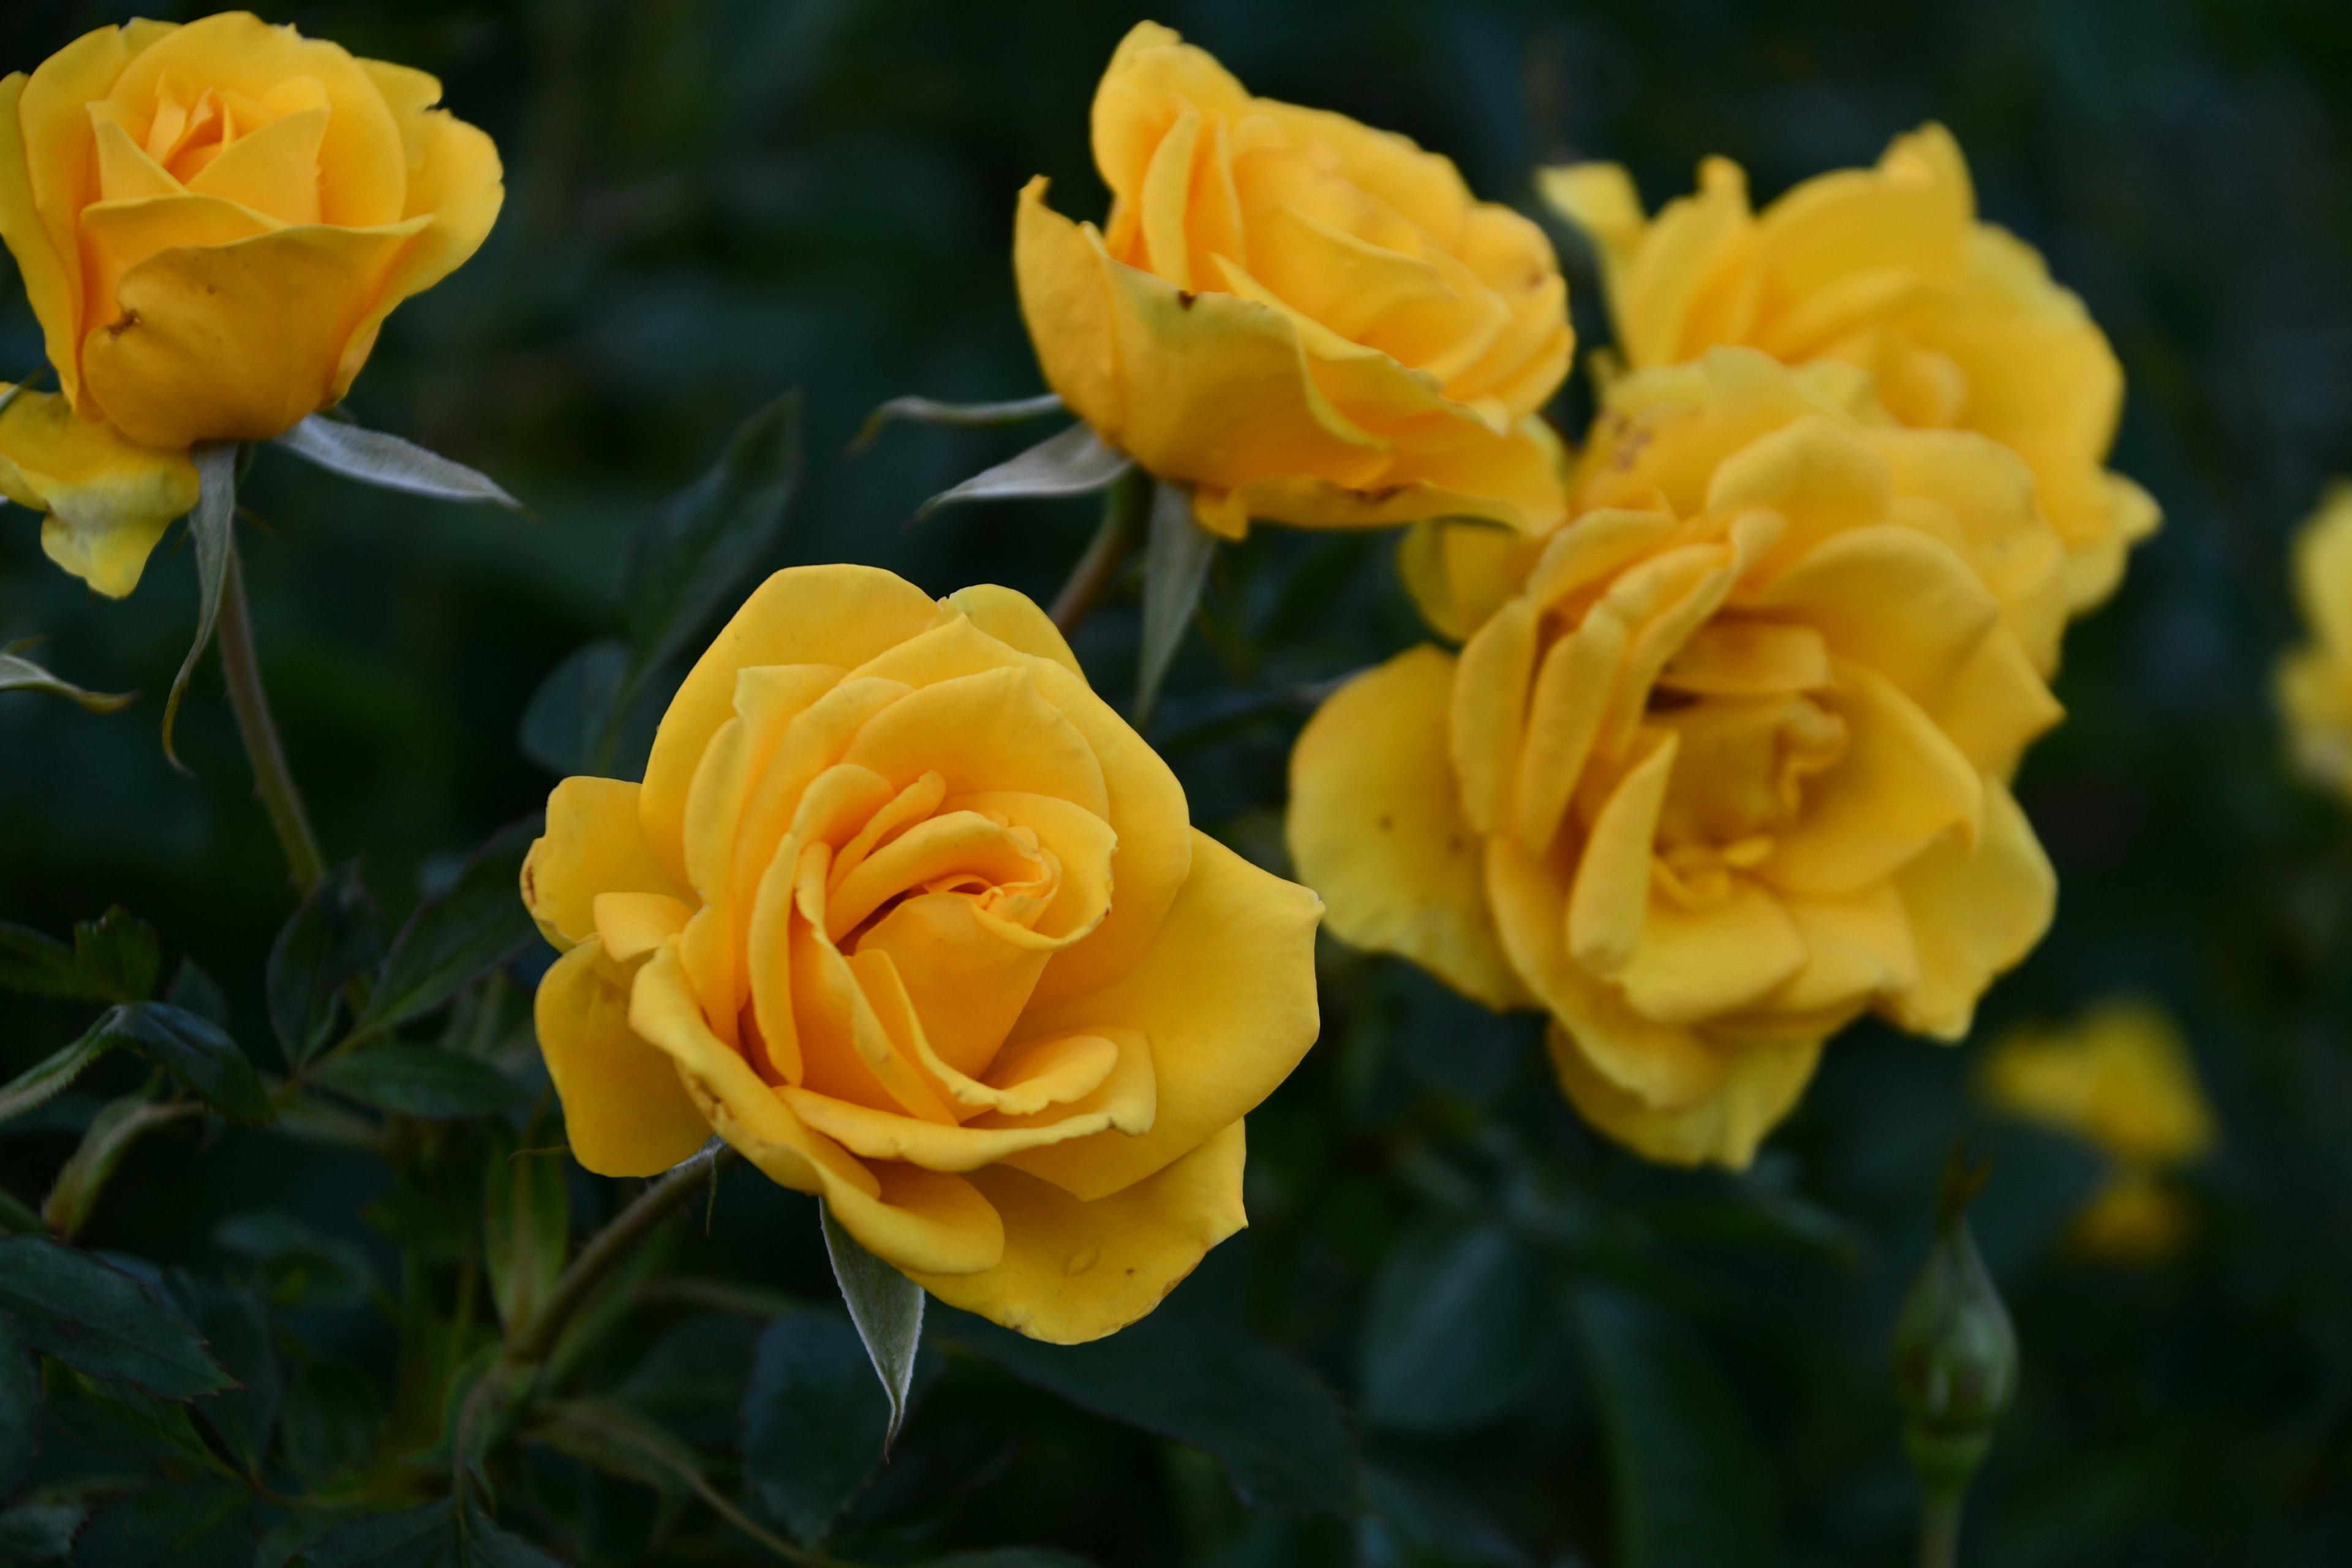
(193, 1050)
(526, 1232)
(20, 1409)
(334, 934)
(184, 1525)
(955, 415)
(122, 1419)
(40, 1529)
(18, 673)
(1461, 1329)
(1407, 1527)
(566, 724)
(470, 927)
(50, 1076)
(1177, 551)
(116, 958)
(620, 1442)
(98, 1320)
(693, 1379)
(194, 990)
(420, 1080)
(390, 462)
(17, 1220)
(299, 1268)
(328, 1421)
(888, 1309)
(1692, 1483)
(813, 1422)
(687, 558)
(35, 964)
(110, 1134)
(415, 1538)
(1011, 1557)
(1075, 462)
(1279, 1432)
(212, 526)
(236, 1330)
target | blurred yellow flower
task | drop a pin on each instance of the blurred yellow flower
(908, 915)
(2314, 681)
(212, 222)
(1307, 320)
(1957, 322)
(2120, 1078)
(1729, 766)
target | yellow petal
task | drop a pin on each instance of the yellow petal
(1490, 698)
(1900, 785)
(592, 844)
(1981, 502)
(1012, 619)
(362, 165)
(1065, 283)
(1890, 599)
(107, 498)
(1227, 998)
(183, 362)
(47, 175)
(1375, 826)
(274, 171)
(1972, 916)
(625, 1111)
(1512, 479)
(1696, 964)
(840, 615)
(630, 925)
(1573, 691)
(1855, 947)
(1611, 902)
(1761, 1084)
(990, 731)
(1075, 1270)
(1460, 574)
(909, 1217)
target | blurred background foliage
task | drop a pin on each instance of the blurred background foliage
(1546, 1352)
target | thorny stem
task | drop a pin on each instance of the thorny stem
(1121, 530)
(1939, 1529)
(530, 1340)
(271, 779)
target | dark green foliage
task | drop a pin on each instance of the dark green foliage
(814, 1421)
(100, 1320)
(1537, 1351)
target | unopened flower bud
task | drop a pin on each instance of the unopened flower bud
(1955, 1351)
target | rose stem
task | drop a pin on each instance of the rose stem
(1115, 540)
(271, 779)
(534, 1337)
(1939, 1529)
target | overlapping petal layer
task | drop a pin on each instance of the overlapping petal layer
(918, 923)
(1728, 764)
(1958, 322)
(1308, 320)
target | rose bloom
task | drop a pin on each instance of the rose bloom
(2314, 681)
(2120, 1078)
(212, 222)
(908, 915)
(1889, 269)
(1305, 320)
(1728, 768)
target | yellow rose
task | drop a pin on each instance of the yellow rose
(1307, 320)
(2119, 1078)
(2314, 681)
(212, 222)
(1729, 767)
(1887, 268)
(908, 915)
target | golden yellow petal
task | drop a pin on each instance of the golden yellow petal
(1972, 916)
(1761, 1083)
(625, 1111)
(47, 175)
(1065, 285)
(107, 498)
(592, 844)
(1075, 1270)
(1226, 997)
(1375, 826)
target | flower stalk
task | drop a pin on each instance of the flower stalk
(1124, 504)
(272, 779)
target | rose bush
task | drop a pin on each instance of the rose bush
(1888, 268)
(909, 916)
(1307, 320)
(212, 222)
(1729, 766)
